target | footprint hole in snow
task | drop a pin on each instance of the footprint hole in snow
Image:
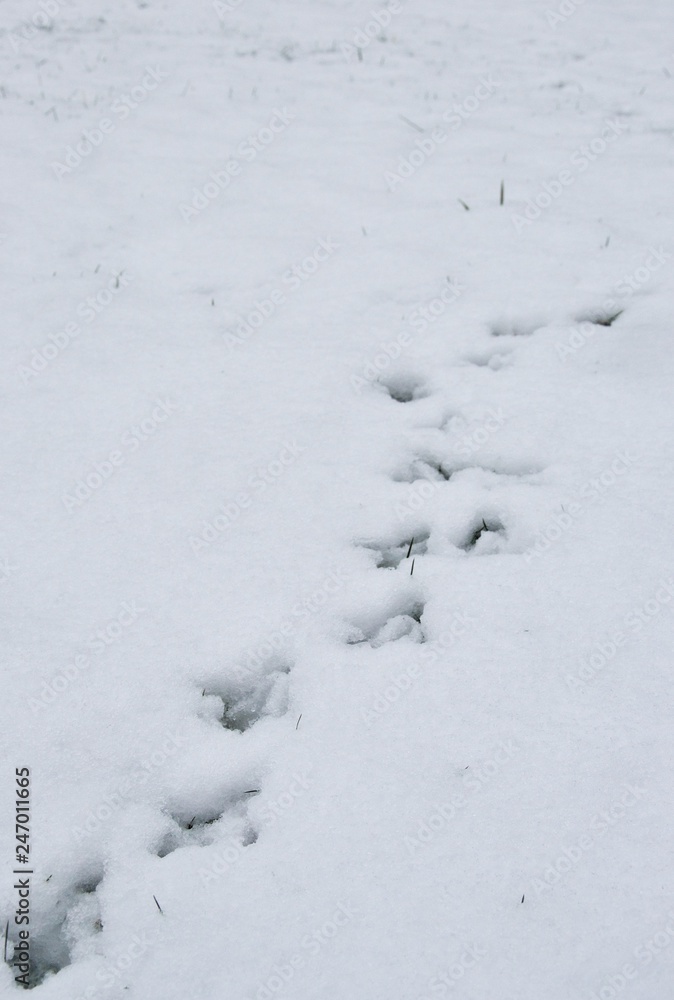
(390, 554)
(65, 934)
(82, 925)
(517, 327)
(501, 469)
(422, 467)
(243, 703)
(250, 836)
(601, 318)
(482, 535)
(495, 360)
(402, 619)
(400, 627)
(195, 833)
(403, 388)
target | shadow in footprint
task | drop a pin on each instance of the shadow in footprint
(208, 826)
(245, 702)
(390, 554)
(517, 328)
(486, 536)
(423, 467)
(435, 470)
(403, 388)
(56, 938)
(600, 318)
(402, 620)
(494, 360)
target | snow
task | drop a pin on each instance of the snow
(271, 333)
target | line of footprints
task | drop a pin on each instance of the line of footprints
(486, 530)
(69, 929)
(402, 616)
(67, 923)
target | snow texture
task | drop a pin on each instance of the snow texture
(336, 547)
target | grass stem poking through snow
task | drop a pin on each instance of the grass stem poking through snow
(462, 202)
(502, 197)
(608, 320)
(409, 551)
(412, 570)
(158, 906)
(413, 124)
(298, 722)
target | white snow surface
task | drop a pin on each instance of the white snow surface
(338, 774)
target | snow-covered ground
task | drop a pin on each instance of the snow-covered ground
(336, 558)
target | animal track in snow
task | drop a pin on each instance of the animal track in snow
(403, 388)
(391, 553)
(436, 469)
(68, 931)
(517, 328)
(481, 530)
(494, 359)
(237, 705)
(243, 703)
(422, 467)
(402, 619)
(227, 820)
(486, 536)
(600, 318)
(65, 934)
